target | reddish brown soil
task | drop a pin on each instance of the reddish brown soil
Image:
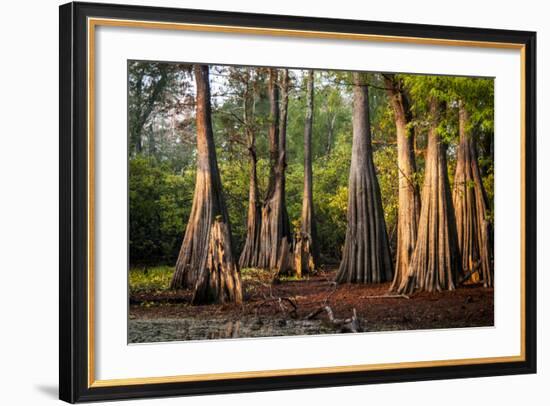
(468, 306)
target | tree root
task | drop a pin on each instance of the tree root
(351, 325)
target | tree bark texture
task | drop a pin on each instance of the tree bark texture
(409, 196)
(251, 250)
(275, 227)
(471, 207)
(366, 253)
(219, 281)
(435, 260)
(307, 249)
(273, 130)
(204, 254)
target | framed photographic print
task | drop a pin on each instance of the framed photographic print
(256, 202)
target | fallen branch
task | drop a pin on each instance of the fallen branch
(324, 304)
(351, 325)
(287, 299)
(280, 301)
(315, 313)
(293, 313)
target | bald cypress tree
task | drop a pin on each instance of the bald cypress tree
(307, 248)
(366, 253)
(251, 250)
(435, 260)
(409, 197)
(206, 262)
(275, 234)
(471, 207)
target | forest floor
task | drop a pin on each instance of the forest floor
(296, 307)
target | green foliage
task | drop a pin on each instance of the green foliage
(331, 115)
(330, 196)
(477, 94)
(157, 93)
(160, 204)
(150, 279)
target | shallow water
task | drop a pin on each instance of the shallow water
(168, 329)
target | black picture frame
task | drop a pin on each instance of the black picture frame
(73, 284)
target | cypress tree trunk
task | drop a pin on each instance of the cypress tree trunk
(435, 260)
(471, 206)
(366, 254)
(409, 197)
(219, 281)
(251, 251)
(307, 249)
(205, 261)
(273, 130)
(275, 234)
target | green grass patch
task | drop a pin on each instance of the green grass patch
(157, 278)
(150, 279)
(253, 274)
(266, 276)
(289, 278)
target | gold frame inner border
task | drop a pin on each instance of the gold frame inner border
(92, 23)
